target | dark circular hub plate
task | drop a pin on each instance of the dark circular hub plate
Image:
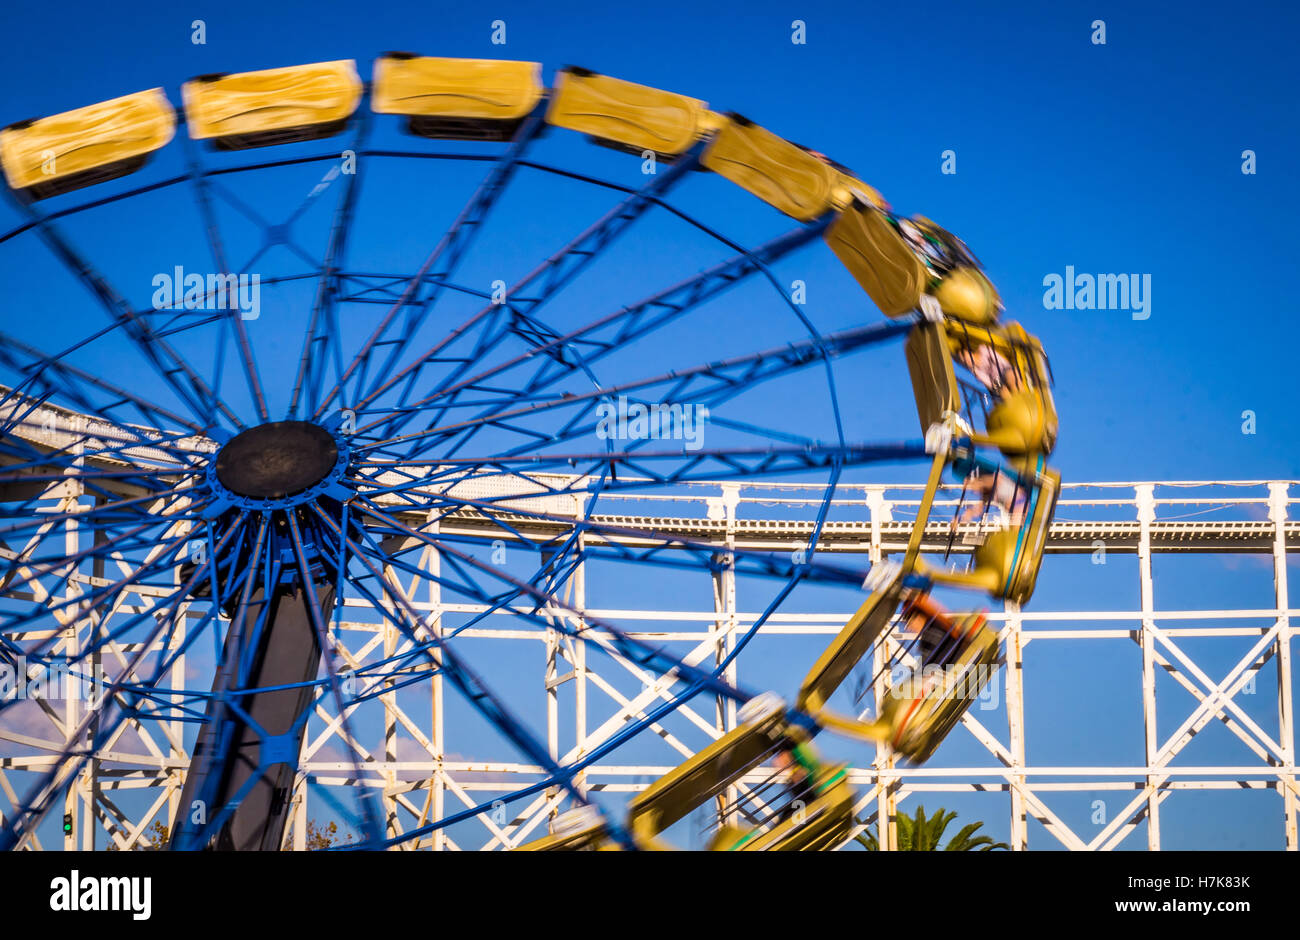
(276, 460)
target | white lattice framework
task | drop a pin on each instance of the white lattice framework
(1138, 518)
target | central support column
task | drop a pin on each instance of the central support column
(231, 754)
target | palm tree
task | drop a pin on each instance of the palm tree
(919, 834)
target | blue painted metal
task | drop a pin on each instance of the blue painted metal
(333, 533)
(547, 279)
(233, 319)
(707, 384)
(332, 486)
(169, 365)
(317, 344)
(93, 731)
(446, 255)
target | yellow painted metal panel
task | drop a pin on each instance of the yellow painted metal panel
(272, 106)
(852, 643)
(456, 98)
(967, 294)
(1023, 418)
(934, 382)
(879, 259)
(780, 173)
(919, 723)
(632, 116)
(849, 188)
(824, 823)
(1030, 558)
(88, 145)
(709, 772)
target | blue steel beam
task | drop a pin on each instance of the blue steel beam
(313, 360)
(454, 243)
(559, 356)
(233, 319)
(717, 381)
(547, 279)
(453, 668)
(637, 650)
(203, 767)
(685, 553)
(54, 376)
(695, 466)
(41, 795)
(319, 625)
(197, 396)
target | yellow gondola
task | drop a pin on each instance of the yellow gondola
(823, 823)
(52, 155)
(934, 381)
(896, 272)
(626, 115)
(1022, 418)
(917, 714)
(912, 721)
(853, 642)
(961, 289)
(780, 173)
(966, 293)
(825, 820)
(879, 259)
(1006, 564)
(459, 99)
(272, 106)
(579, 830)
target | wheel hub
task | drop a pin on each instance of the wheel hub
(281, 463)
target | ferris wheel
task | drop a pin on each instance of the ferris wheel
(240, 438)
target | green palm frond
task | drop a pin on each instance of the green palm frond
(924, 833)
(963, 841)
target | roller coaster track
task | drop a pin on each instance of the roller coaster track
(1136, 792)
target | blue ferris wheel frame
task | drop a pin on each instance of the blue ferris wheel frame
(370, 374)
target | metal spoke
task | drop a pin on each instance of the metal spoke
(317, 344)
(547, 279)
(197, 396)
(454, 244)
(234, 318)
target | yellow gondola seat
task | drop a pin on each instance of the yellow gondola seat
(707, 773)
(456, 99)
(954, 248)
(934, 381)
(824, 823)
(627, 116)
(879, 258)
(1022, 420)
(272, 106)
(48, 156)
(1026, 421)
(966, 293)
(1006, 564)
(775, 170)
(957, 280)
(853, 642)
(580, 829)
(918, 719)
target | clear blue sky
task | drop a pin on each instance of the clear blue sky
(1115, 158)
(1124, 157)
